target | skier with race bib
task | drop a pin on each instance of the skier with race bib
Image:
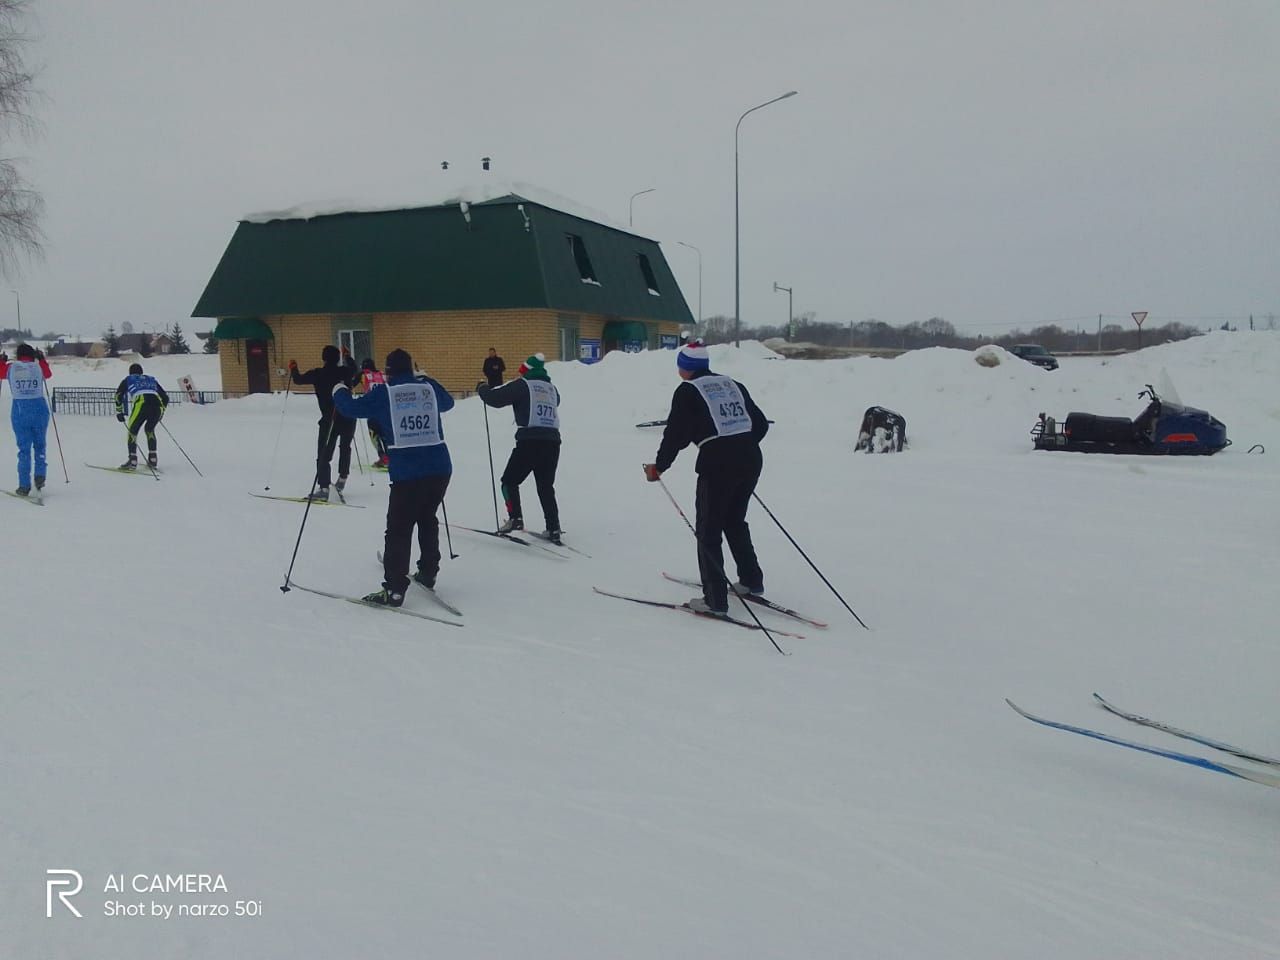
(140, 403)
(536, 405)
(371, 377)
(716, 414)
(406, 412)
(29, 413)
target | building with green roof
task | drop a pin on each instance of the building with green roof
(444, 282)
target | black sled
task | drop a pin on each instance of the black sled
(1164, 427)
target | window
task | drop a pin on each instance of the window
(650, 280)
(583, 262)
(358, 342)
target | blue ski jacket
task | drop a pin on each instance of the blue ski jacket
(407, 463)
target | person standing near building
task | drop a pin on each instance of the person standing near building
(140, 403)
(407, 412)
(335, 429)
(28, 413)
(718, 415)
(537, 412)
(494, 368)
(370, 377)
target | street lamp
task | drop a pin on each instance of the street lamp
(631, 206)
(699, 253)
(737, 245)
(790, 312)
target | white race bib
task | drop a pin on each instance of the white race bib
(415, 421)
(726, 403)
(544, 405)
(26, 378)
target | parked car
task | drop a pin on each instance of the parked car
(1034, 353)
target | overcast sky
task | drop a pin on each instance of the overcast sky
(994, 163)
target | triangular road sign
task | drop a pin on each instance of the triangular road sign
(1139, 316)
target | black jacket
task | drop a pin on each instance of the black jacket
(516, 394)
(690, 422)
(325, 378)
(494, 368)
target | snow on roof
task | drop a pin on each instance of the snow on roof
(471, 193)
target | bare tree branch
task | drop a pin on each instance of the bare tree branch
(21, 206)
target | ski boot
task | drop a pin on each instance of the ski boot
(384, 598)
(341, 484)
(553, 536)
(152, 462)
(420, 576)
(320, 496)
(23, 491)
(131, 463)
(39, 481)
(700, 605)
(512, 524)
(742, 590)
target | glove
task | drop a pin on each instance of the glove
(120, 417)
(39, 354)
(651, 472)
(293, 364)
(346, 351)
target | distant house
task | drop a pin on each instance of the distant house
(445, 282)
(162, 343)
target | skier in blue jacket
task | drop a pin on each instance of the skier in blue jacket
(29, 414)
(406, 413)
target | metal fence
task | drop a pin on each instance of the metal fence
(101, 401)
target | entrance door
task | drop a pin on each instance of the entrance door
(359, 342)
(258, 366)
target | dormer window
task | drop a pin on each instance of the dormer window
(650, 280)
(586, 272)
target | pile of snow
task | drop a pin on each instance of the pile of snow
(573, 775)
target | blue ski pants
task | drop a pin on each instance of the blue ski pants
(30, 419)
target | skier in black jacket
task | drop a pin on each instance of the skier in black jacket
(536, 406)
(718, 415)
(335, 429)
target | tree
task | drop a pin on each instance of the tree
(20, 205)
(112, 341)
(211, 344)
(180, 344)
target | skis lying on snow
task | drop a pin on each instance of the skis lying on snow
(148, 472)
(746, 624)
(514, 539)
(32, 498)
(751, 598)
(1240, 752)
(1244, 773)
(374, 606)
(318, 503)
(431, 592)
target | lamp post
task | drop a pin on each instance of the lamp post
(631, 206)
(790, 312)
(699, 253)
(737, 245)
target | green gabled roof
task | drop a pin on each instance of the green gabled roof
(431, 258)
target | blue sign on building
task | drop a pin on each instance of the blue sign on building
(668, 341)
(588, 350)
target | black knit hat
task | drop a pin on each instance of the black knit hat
(399, 363)
(135, 368)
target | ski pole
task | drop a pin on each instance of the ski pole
(315, 481)
(448, 537)
(807, 560)
(359, 464)
(719, 569)
(493, 483)
(53, 417)
(180, 450)
(279, 432)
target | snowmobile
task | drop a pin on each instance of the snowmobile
(1165, 427)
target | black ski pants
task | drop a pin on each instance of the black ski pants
(335, 430)
(412, 503)
(722, 501)
(144, 416)
(539, 457)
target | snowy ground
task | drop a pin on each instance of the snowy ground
(573, 776)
